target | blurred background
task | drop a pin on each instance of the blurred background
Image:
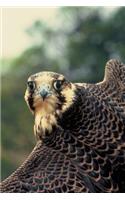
(75, 41)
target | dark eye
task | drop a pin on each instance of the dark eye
(31, 85)
(57, 84)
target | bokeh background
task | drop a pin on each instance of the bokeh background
(75, 41)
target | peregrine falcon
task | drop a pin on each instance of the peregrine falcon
(80, 131)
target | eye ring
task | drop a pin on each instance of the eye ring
(57, 85)
(31, 86)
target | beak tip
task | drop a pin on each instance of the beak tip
(44, 94)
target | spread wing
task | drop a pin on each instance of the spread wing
(45, 170)
(110, 93)
(113, 85)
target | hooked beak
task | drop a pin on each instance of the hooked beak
(45, 92)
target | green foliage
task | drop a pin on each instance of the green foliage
(78, 46)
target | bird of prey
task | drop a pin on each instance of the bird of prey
(80, 131)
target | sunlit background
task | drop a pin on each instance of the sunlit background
(75, 41)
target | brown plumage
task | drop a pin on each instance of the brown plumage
(80, 130)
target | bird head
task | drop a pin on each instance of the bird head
(48, 96)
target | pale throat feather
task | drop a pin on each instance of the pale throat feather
(44, 118)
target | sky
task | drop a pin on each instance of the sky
(15, 21)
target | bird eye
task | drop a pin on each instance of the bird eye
(31, 85)
(57, 84)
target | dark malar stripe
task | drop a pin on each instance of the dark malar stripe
(30, 102)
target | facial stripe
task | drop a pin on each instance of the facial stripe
(31, 102)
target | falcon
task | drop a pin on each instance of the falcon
(80, 132)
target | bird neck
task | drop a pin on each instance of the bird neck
(74, 123)
(77, 117)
